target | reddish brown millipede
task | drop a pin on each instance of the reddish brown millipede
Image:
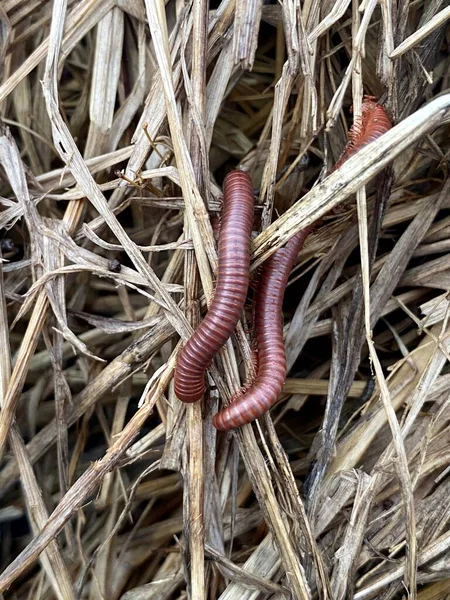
(369, 125)
(230, 292)
(271, 368)
(271, 365)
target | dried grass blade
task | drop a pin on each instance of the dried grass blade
(105, 77)
(52, 561)
(82, 18)
(246, 27)
(199, 223)
(131, 359)
(422, 33)
(85, 485)
(355, 172)
(71, 156)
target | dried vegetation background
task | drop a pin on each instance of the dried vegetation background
(119, 121)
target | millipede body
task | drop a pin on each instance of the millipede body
(368, 126)
(271, 367)
(231, 290)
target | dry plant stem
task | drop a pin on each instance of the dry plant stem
(423, 32)
(87, 483)
(195, 501)
(352, 72)
(283, 90)
(264, 562)
(83, 16)
(105, 77)
(238, 574)
(199, 223)
(53, 259)
(52, 561)
(119, 369)
(344, 567)
(247, 17)
(402, 469)
(19, 373)
(354, 173)
(402, 461)
(276, 519)
(319, 387)
(194, 493)
(300, 525)
(337, 12)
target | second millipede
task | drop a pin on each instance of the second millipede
(271, 368)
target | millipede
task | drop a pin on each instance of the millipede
(260, 396)
(271, 365)
(230, 292)
(368, 126)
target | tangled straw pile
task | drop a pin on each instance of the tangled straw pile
(119, 122)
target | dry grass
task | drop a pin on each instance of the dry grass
(119, 122)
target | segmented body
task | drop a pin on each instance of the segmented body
(271, 369)
(231, 289)
(271, 366)
(369, 126)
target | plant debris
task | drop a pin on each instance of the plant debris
(119, 121)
